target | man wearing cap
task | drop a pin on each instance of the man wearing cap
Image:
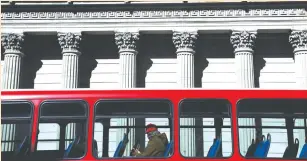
(156, 145)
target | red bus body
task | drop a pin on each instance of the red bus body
(175, 96)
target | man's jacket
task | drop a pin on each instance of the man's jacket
(155, 147)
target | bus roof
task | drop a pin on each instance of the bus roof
(160, 89)
(152, 93)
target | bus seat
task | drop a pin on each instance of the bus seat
(70, 146)
(291, 151)
(251, 149)
(214, 148)
(168, 148)
(23, 147)
(95, 148)
(303, 153)
(118, 149)
(263, 147)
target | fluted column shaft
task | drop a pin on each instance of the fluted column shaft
(127, 45)
(12, 44)
(70, 70)
(244, 69)
(127, 73)
(243, 43)
(70, 45)
(298, 40)
(185, 61)
(185, 45)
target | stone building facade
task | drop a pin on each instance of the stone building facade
(108, 46)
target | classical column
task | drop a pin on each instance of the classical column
(185, 45)
(126, 43)
(70, 45)
(298, 40)
(243, 43)
(12, 44)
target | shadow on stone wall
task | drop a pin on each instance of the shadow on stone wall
(99, 46)
(2, 51)
(201, 63)
(210, 46)
(270, 45)
(157, 46)
(86, 66)
(144, 63)
(215, 45)
(33, 50)
(273, 45)
(94, 47)
(152, 46)
(259, 64)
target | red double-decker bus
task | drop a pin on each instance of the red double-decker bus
(199, 124)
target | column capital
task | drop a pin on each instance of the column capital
(12, 43)
(298, 40)
(184, 40)
(127, 41)
(243, 40)
(69, 42)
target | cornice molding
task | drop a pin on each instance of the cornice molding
(233, 13)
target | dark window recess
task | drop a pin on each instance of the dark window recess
(137, 107)
(63, 109)
(16, 109)
(205, 108)
(272, 107)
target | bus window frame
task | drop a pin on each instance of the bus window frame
(31, 118)
(170, 117)
(229, 107)
(238, 137)
(87, 109)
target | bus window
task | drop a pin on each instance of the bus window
(120, 126)
(205, 128)
(272, 128)
(16, 120)
(62, 129)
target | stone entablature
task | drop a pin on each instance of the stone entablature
(157, 14)
(156, 19)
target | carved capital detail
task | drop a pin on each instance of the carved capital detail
(69, 42)
(12, 42)
(184, 40)
(243, 40)
(298, 40)
(126, 40)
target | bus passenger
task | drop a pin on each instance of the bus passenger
(156, 145)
